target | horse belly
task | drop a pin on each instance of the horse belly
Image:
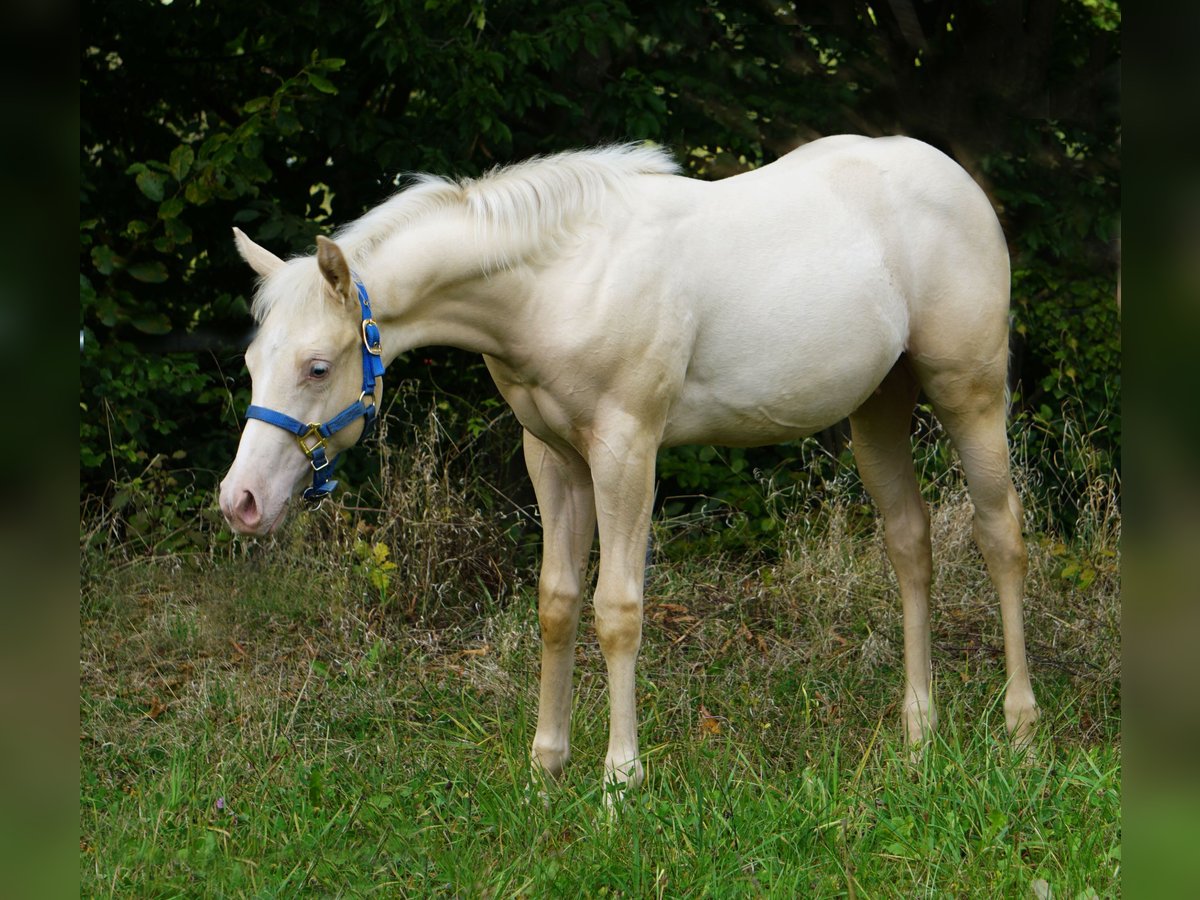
(769, 412)
(761, 376)
(800, 313)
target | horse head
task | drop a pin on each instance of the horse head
(314, 364)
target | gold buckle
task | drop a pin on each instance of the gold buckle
(314, 431)
(375, 349)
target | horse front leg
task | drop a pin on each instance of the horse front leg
(563, 488)
(622, 463)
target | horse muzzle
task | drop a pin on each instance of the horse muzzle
(245, 510)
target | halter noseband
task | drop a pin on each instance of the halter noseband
(312, 437)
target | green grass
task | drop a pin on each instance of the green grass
(250, 728)
(293, 717)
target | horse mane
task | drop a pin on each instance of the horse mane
(530, 205)
(530, 202)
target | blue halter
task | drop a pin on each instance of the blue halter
(312, 437)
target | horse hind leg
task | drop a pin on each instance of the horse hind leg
(973, 408)
(880, 431)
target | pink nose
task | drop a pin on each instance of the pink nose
(242, 511)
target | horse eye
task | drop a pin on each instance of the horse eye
(318, 370)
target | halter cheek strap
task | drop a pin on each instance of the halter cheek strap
(314, 436)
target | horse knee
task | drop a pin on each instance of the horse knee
(619, 623)
(558, 614)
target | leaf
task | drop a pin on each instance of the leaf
(258, 103)
(152, 323)
(286, 122)
(150, 272)
(108, 312)
(316, 785)
(181, 161)
(321, 83)
(180, 233)
(171, 207)
(196, 193)
(104, 259)
(151, 184)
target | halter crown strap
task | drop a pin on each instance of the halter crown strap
(313, 437)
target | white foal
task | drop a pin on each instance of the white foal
(621, 308)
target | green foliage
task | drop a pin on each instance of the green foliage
(373, 563)
(287, 119)
(739, 499)
(142, 272)
(121, 416)
(161, 509)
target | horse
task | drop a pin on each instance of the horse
(621, 307)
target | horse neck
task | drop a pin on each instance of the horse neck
(435, 283)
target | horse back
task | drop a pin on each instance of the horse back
(784, 296)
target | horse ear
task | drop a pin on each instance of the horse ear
(261, 260)
(332, 263)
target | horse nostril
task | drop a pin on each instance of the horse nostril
(247, 509)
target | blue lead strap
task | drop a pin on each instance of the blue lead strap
(312, 437)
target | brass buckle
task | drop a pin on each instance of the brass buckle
(314, 431)
(375, 349)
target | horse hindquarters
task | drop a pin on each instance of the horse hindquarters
(956, 275)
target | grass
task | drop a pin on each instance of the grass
(269, 720)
